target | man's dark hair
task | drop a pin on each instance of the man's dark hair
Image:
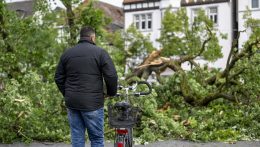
(86, 32)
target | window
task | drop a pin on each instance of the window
(194, 14)
(127, 7)
(143, 21)
(137, 21)
(255, 3)
(151, 4)
(157, 4)
(133, 6)
(139, 6)
(21, 13)
(213, 14)
(145, 5)
(149, 21)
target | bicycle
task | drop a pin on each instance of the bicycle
(123, 116)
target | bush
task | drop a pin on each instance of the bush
(32, 110)
(220, 121)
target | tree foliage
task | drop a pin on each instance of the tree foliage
(31, 106)
(196, 40)
(29, 52)
(190, 42)
(129, 43)
(32, 109)
(85, 14)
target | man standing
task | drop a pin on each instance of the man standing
(79, 77)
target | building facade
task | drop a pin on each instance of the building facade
(146, 16)
(243, 6)
(221, 13)
(227, 16)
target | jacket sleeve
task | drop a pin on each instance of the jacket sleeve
(109, 73)
(60, 77)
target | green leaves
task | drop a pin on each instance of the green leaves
(31, 110)
(220, 121)
(180, 37)
(30, 100)
(93, 17)
(137, 43)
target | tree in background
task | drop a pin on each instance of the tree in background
(80, 14)
(130, 44)
(32, 108)
(30, 102)
(121, 44)
(188, 43)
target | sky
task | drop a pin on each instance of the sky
(113, 2)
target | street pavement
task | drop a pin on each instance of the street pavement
(172, 143)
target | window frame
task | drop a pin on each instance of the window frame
(193, 14)
(143, 22)
(258, 4)
(213, 14)
(137, 21)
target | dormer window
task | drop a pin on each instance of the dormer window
(140, 5)
(21, 13)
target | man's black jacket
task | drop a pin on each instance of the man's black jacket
(79, 76)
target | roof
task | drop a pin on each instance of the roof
(137, 1)
(200, 2)
(132, 1)
(110, 11)
(23, 8)
(113, 12)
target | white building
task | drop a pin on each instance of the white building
(146, 15)
(221, 12)
(227, 15)
(243, 6)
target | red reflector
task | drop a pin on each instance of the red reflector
(122, 131)
(120, 144)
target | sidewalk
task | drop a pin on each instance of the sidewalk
(173, 143)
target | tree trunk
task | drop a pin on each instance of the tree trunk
(222, 81)
(71, 22)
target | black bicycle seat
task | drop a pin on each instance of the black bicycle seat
(122, 105)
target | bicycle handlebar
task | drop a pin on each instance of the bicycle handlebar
(134, 87)
(148, 85)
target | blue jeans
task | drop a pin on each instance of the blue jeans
(93, 121)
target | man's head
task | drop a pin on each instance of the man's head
(88, 33)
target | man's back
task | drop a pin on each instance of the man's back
(84, 66)
(79, 77)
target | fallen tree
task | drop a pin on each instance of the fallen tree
(200, 40)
